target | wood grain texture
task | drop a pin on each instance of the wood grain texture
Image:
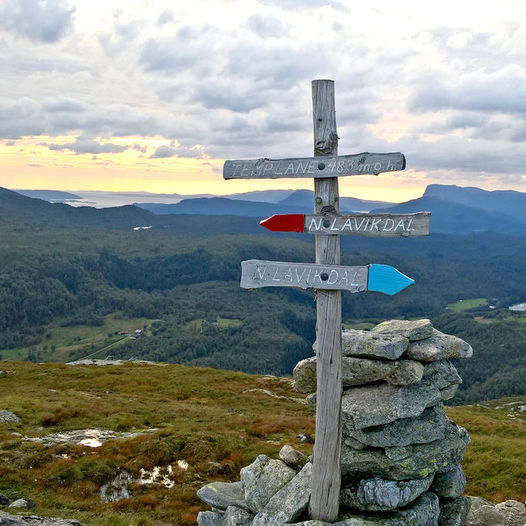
(326, 473)
(370, 225)
(256, 273)
(333, 166)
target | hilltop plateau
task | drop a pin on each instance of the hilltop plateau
(161, 431)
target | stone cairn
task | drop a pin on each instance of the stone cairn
(401, 454)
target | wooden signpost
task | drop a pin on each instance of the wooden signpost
(327, 276)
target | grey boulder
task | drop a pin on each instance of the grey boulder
(4, 501)
(450, 483)
(439, 347)
(426, 427)
(292, 457)
(453, 512)
(376, 405)
(33, 520)
(209, 518)
(289, 502)
(412, 330)
(487, 515)
(514, 510)
(8, 417)
(360, 371)
(262, 479)
(423, 512)
(378, 494)
(221, 495)
(423, 459)
(237, 517)
(22, 504)
(368, 344)
(442, 373)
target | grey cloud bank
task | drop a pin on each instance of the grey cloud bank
(231, 79)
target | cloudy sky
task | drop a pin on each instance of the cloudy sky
(154, 95)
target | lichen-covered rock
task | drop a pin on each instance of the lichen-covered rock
(442, 373)
(209, 518)
(292, 457)
(424, 428)
(487, 515)
(378, 494)
(369, 344)
(439, 347)
(423, 512)
(8, 417)
(304, 376)
(453, 512)
(376, 405)
(221, 495)
(360, 371)
(237, 517)
(289, 502)
(514, 510)
(22, 504)
(423, 460)
(262, 479)
(450, 483)
(412, 330)
(33, 520)
(449, 392)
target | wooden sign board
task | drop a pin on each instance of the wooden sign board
(371, 225)
(379, 278)
(334, 166)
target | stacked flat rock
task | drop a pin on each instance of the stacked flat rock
(401, 454)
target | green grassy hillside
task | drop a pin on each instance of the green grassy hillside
(195, 417)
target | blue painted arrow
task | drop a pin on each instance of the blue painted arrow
(386, 279)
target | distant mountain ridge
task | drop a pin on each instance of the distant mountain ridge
(48, 195)
(298, 202)
(507, 202)
(454, 210)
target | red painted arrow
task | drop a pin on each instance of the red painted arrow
(284, 223)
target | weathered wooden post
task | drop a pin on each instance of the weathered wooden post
(326, 476)
(327, 277)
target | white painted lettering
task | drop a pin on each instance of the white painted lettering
(385, 229)
(267, 167)
(356, 226)
(333, 224)
(377, 166)
(366, 224)
(374, 224)
(298, 277)
(312, 166)
(408, 227)
(333, 277)
(275, 277)
(277, 169)
(302, 167)
(347, 224)
(364, 167)
(314, 225)
(345, 277)
(261, 274)
(400, 224)
(290, 169)
(288, 275)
